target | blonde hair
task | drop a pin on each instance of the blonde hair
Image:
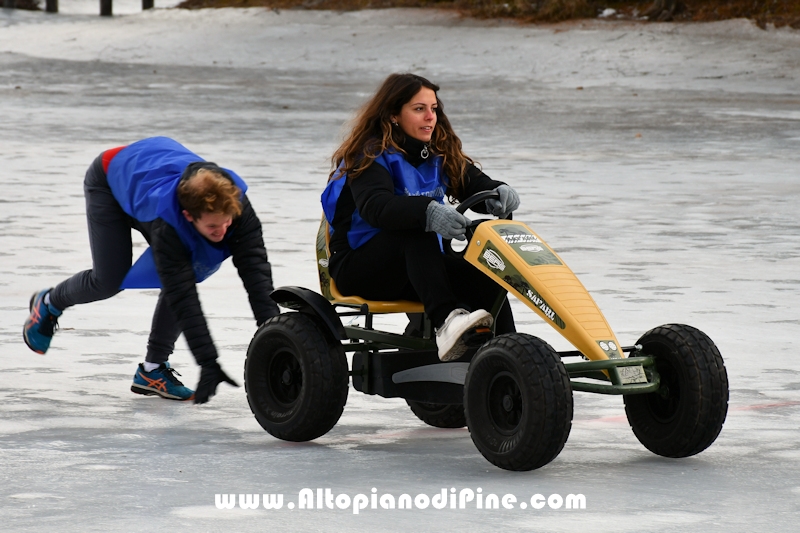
(209, 191)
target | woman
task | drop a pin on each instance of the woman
(385, 206)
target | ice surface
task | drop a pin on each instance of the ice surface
(661, 161)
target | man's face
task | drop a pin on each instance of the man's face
(212, 226)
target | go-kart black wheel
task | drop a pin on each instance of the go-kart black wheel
(439, 415)
(295, 378)
(685, 415)
(518, 402)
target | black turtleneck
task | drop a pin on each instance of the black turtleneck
(414, 150)
(372, 192)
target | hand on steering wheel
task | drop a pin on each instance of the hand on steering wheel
(462, 208)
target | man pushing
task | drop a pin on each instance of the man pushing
(194, 214)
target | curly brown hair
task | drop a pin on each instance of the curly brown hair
(207, 190)
(372, 132)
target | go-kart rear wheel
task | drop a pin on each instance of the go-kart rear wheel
(685, 415)
(295, 378)
(439, 415)
(518, 402)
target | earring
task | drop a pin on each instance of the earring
(394, 123)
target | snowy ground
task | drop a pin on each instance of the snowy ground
(661, 161)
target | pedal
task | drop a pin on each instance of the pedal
(477, 336)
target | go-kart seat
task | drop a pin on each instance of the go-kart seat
(374, 306)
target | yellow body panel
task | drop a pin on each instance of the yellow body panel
(513, 255)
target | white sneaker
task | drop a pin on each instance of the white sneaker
(449, 337)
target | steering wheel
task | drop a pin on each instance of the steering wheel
(475, 199)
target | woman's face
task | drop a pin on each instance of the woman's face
(417, 118)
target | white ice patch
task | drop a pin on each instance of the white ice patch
(202, 512)
(100, 467)
(35, 496)
(611, 523)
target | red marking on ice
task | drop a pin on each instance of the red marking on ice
(620, 418)
(411, 432)
(765, 406)
(623, 418)
(610, 419)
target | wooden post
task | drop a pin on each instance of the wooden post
(147, 4)
(51, 6)
(9, 4)
(105, 8)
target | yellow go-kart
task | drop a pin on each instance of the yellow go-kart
(512, 391)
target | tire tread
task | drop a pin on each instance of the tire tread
(707, 407)
(539, 364)
(325, 378)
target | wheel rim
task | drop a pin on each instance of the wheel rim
(505, 404)
(285, 378)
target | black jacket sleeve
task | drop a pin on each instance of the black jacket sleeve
(373, 192)
(250, 258)
(380, 207)
(174, 265)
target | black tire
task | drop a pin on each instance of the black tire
(686, 414)
(296, 378)
(439, 415)
(518, 402)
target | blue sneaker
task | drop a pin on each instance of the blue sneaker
(41, 324)
(161, 382)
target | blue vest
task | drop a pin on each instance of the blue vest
(427, 180)
(143, 178)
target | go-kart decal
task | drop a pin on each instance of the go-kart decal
(632, 374)
(526, 244)
(491, 258)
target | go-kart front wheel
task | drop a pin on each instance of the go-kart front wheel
(439, 415)
(518, 402)
(685, 415)
(295, 378)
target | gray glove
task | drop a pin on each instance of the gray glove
(446, 221)
(508, 202)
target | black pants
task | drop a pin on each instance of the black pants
(112, 252)
(408, 265)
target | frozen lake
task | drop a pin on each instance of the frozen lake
(660, 161)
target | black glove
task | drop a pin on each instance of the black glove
(210, 376)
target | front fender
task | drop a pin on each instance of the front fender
(309, 302)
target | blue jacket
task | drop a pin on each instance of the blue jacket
(425, 180)
(143, 178)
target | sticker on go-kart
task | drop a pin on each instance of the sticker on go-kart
(491, 258)
(526, 244)
(632, 374)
